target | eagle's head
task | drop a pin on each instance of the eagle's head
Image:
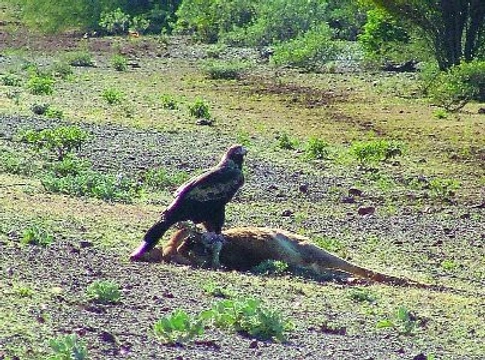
(236, 154)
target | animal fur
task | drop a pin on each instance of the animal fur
(247, 247)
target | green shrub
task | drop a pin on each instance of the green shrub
(373, 151)
(249, 317)
(162, 179)
(36, 235)
(443, 188)
(113, 96)
(169, 102)
(199, 109)
(15, 162)
(119, 62)
(139, 24)
(54, 113)
(404, 321)
(177, 328)
(309, 51)
(381, 33)
(62, 70)
(68, 347)
(316, 148)
(115, 22)
(268, 267)
(69, 165)
(41, 85)
(61, 140)
(93, 184)
(225, 70)
(104, 292)
(362, 295)
(80, 59)
(11, 80)
(454, 88)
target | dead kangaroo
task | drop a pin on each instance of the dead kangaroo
(247, 247)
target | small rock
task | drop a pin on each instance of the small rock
(204, 122)
(287, 212)
(303, 188)
(420, 356)
(85, 244)
(366, 210)
(254, 344)
(481, 110)
(347, 200)
(107, 337)
(355, 192)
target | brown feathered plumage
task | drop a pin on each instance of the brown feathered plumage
(201, 199)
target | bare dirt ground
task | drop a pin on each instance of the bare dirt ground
(412, 238)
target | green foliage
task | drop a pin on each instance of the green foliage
(68, 347)
(454, 88)
(249, 317)
(15, 162)
(69, 165)
(330, 244)
(225, 70)
(41, 84)
(114, 22)
(80, 59)
(94, 184)
(162, 179)
(113, 96)
(139, 24)
(271, 267)
(284, 141)
(104, 292)
(381, 33)
(316, 148)
(54, 113)
(443, 188)
(36, 235)
(61, 140)
(373, 151)
(11, 80)
(177, 328)
(62, 70)
(199, 109)
(218, 291)
(169, 102)
(309, 51)
(404, 321)
(119, 62)
(362, 295)
(243, 138)
(449, 265)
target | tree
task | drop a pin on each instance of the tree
(455, 28)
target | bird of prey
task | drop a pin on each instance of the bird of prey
(202, 200)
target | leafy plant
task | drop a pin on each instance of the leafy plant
(373, 151)
(449, 265)
(113, 96)
(362, 295)
(119, 62)
(243, 138)
(162, 179)
(62, 70)
(69, 165)
(309, 51)
(104, 292)
(94, 184)
(115, 22)
(41, 85)
(218, 291)
(225, 70)
(199, 109)
(169, 102)
(139, 24)
(404, 321)
(36, 235)
(328, 243)
(11, 80)
(62, 140)
(80, 59)
(316, 148)
(15, 162)
(271, 267)
(68, 347)
(284, 141)
(178, 328)
(54, 113)
(249, 317)
(443, 188)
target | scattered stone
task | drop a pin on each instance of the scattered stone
(366, 210)
(355, 192)
(254, 344)
(204, 122)
(303, 188)
(287, 212)
(481, 110)
(420, 356)
(85, 244)
(347, 200)
(108, 337)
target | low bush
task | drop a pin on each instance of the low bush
(11, 80)
(41, 84)
(119, 62)
(199, 109)
(80, 59)
(104, 292)
(113, 96)
(177, 328)
(374, 151)
(37, 235)
(316, 149)
(68, 347)
(225, 70)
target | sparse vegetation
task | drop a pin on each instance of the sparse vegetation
(80, 59)
(119, 62)
(316, 149)
(177, 328)
(37, 235)
(41, 85)
(68, 347)
(200, 109)
(218, 70)
(113, 96)
(104, 292)
(374, 151)
(271, 267)
(284, 141)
